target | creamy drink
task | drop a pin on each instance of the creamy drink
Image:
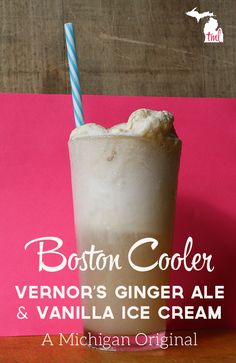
(124, 183)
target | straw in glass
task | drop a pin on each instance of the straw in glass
(74, 74)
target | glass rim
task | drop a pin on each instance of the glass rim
(175, 140)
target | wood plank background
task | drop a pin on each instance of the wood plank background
(132, 47)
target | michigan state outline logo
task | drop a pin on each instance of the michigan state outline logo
(212, 32)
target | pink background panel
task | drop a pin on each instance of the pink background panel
(36, 201)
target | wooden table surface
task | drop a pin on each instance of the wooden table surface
(213, 347)
(132, 47)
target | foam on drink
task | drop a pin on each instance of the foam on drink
(142, 122)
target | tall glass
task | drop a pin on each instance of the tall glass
(124, 189)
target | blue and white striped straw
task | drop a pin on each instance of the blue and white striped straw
(74, 74)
